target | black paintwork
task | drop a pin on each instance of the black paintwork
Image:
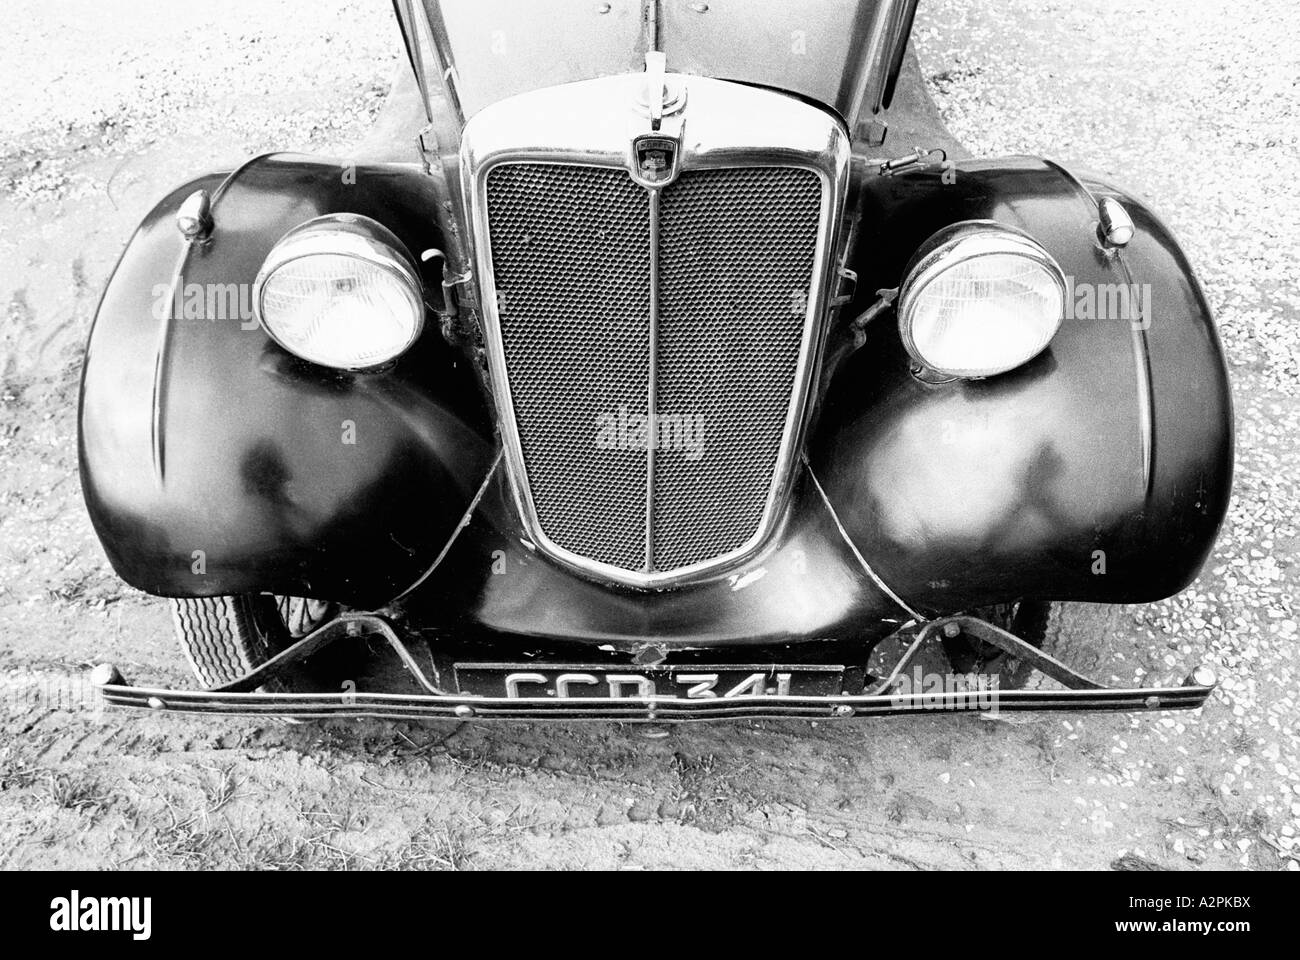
(249, 464)
(806, 587)
(958, 495)
(977, 492)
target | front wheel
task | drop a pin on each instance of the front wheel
(225, 637)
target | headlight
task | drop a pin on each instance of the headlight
(980, 300)
(340, 291)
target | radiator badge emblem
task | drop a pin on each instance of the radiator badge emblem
(654, 160)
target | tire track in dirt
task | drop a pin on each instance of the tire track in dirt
(505, 794)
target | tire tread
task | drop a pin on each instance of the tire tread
(220, 637)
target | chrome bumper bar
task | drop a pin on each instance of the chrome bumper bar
(883, 697)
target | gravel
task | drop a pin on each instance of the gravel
(260, 75)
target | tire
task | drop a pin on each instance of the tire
(1026, 619)
(301, 616)
(1077, 634)
(225, 637)
(1080, 635)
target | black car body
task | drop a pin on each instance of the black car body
(663, 442)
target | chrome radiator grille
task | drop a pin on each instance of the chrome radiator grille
(571, 257)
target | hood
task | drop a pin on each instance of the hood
(842, 53)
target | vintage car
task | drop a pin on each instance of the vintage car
(654, 361)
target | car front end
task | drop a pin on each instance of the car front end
(646, 382)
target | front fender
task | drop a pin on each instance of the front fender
(1100, 471)
(213, 462)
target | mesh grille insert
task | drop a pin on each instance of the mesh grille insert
(736, 251)
(571, 263)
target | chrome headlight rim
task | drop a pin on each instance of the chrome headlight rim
(351, 235)
(956, 244)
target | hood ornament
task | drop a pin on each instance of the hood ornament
(655, 156)
(661, 95)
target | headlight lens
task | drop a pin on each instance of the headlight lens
(980, 300)
(340, 291)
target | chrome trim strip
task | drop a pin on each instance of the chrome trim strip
(652, 385)
(1137, 340)
(455, 534)
(162, 358)
(160, 364)
(884, 587)
(1144, 381)
(1146, 408)
(650, 17)
(577, 124)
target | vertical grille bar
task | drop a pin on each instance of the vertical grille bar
(652, 394)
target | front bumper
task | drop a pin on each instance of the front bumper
(320, 706)
(880, 696)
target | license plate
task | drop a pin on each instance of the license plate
(681, 681)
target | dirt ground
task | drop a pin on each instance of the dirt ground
(116, 101)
